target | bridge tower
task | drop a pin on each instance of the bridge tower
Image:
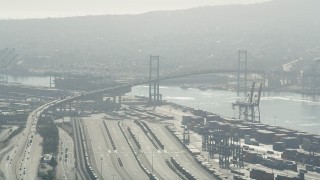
(7, 57)
(311, 79)
(154, 95)
(242, 72)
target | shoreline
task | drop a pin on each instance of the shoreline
(230, 118)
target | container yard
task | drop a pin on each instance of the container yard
(256, 150)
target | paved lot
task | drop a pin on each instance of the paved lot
(102, 155)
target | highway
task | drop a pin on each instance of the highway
(5, 154)
(20, 165)
(65, 158)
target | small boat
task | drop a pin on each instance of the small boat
(202, 87)
(185, 86)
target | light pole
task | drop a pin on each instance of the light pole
(101, 166)
(139, 142)
(152, 160)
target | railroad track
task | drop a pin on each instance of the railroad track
(80, 162)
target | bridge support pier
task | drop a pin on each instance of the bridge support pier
(242, 72)
(154, 95)
(119, 97)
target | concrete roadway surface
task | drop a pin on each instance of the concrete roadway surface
(23, 157)
(5, 155)
(175, 149)
(103, 157)
(4, 133)
(65, 158)
(124, 152)
(19, 165)
(151, 157)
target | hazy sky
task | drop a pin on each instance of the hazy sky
(61, 8)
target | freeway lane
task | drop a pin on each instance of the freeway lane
(19, 155)
(65, 158)
(19, 164)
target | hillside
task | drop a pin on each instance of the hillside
(273, 32)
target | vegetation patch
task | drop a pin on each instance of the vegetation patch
(49, 132)
(15, 132)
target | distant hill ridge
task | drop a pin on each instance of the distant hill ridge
(274, 32)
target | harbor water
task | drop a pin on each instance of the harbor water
(285, 109)
(288, 110)
(43, 81)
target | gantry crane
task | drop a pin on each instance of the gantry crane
(249, 109)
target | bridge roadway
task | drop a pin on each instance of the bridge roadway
(102, 155)
(119, 89)
(211, 71)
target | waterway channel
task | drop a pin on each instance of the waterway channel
(289, 110)
(282, 109)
